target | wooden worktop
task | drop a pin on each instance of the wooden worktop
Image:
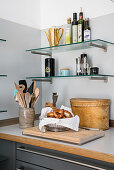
(100, 149)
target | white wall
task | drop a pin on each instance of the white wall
(46, 13)
(17, 63)
(26, 12)
(56, 12)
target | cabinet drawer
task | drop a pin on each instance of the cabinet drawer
(37, 157)
(26, 166)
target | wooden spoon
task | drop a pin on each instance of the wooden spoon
(27, 98)
(36, 96)
(36, 92)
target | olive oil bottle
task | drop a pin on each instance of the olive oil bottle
(74, 28)
(69, 31)
(81, 27)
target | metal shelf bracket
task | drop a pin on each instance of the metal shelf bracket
(42, 53)
(44, 80)
(98, 46)
(99, 78)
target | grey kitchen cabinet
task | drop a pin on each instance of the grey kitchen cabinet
(29, 157)
(7, 149)
(20, 165)
(56, 160)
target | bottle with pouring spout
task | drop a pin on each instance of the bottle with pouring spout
(69, 31)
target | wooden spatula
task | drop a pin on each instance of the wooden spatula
(27, 98)
(19, 96)
(21, 89)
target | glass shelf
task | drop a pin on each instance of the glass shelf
(1, 111)
(3, 158)
(91, 77)
(98, 75)
(2, 39)
(3, 75)
(69, 47)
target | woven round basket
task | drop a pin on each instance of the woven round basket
(93, 113)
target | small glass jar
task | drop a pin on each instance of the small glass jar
(64, 72)
(26, 117)
(94, 70)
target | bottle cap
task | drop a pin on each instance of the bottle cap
(81, 14)
(74, 16)
(69, 20)
(64, 69)
(83, 55)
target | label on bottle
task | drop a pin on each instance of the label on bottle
(79, 32)
(74, 33)
(87, 35)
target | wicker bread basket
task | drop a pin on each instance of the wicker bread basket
(93, 113)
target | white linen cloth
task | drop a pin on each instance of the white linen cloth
(71, 123)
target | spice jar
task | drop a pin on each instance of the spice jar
(94, 70)
(64, 72)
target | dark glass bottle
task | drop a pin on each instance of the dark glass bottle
(80, 27)
(49, 67)
(87, 30)
(74, 28)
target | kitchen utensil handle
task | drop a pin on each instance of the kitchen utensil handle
(59, 158)
(61, 33)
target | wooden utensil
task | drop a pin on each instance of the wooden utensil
(19, 96)
(54, 97)
(36, 96)
(36, 92)
(21, 89)
(27, 98)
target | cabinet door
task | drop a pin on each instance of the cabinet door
(49, 161)
(26, 166)
(7, 149)
(52, 159)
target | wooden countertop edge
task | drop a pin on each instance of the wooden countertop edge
(60, 147)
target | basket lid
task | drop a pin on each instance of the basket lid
(89, 100)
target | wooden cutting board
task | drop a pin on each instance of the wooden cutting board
(80, 137)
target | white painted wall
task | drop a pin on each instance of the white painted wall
(46, 13)
(26, 12)
(17, 63)
(56, 12)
